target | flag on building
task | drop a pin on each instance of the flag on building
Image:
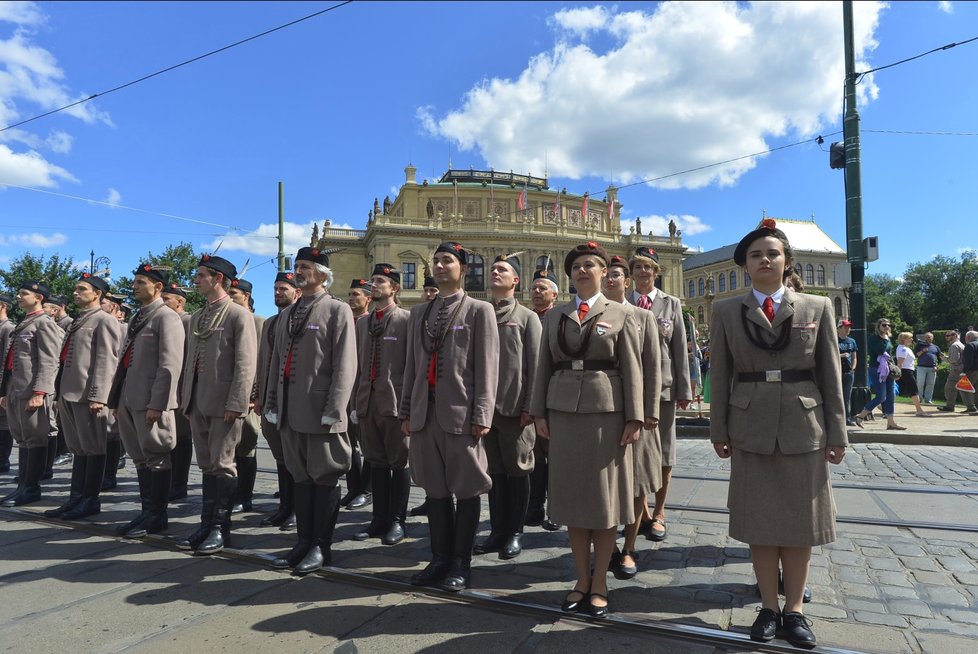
(455, 198)
(557, 207)
(521, 200)
(584, 208)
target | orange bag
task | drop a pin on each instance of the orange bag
(964, 384)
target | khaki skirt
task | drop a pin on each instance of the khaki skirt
(781, 500)
(591, 482)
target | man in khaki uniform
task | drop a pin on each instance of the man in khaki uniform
(6, 327)
(144, 395)
(286, 293)
(27, 388)
(216, 387)
(57, 307)
(358, 480)
(246, 454)
(510, 442)
(182, 456)
(448, 399)
(382, 343)
(430, 289)
(677, 390)
(114, 454)
(315, 366)
(89, 357)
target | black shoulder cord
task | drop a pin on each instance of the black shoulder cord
(562, 340)
(755, 335)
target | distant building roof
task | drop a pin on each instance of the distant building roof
(804, 236)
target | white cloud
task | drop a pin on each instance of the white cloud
(30, 169)
(114, 197)
(659, 225)
(21, 13)
(946, 7)
(59, 141)
(685, 85)
(264, 240)
(34, 239)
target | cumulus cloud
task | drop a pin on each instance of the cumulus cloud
(946, 7)
(682, 86)
(264, 240)
(21, 13)
(34, 239)
(30, 169)
(114, 197)
(659, 225)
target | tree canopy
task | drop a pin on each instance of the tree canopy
(59, 273)
(182, 262)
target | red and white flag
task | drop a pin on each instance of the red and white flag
(557, 207)
(521, 200)
(455, 198)
(584, 208)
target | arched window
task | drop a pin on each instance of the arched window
(545, 261)
(692, 289)
(701, 286)
(733, 280)
(838, 307)
(800, 271)
(820, 275)
(699, 316)
(721, 283)
(746, 279)
(809, 274)
(475, 278)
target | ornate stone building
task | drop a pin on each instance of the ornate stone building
(490, 213)
(712, 275)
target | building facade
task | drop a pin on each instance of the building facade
(711, 275)
(490, 213)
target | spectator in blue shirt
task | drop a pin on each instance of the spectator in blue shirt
(928, 358)
(847, 349)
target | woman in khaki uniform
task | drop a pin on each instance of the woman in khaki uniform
(777, 410)
(587, 398)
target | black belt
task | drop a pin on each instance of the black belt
(579, 364)
(777, 376)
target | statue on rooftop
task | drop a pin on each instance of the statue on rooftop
(376, 207)
(430, 209)
(387, 204)
(672, 228)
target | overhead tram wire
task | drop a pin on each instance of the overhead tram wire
(175, 66)
(862, 74)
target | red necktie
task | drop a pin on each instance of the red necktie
(644, 302)
(582, 311)
(768, 309)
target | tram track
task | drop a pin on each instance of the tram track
(892, 488)
(678, 633)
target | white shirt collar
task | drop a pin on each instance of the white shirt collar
(777, 296)
(652, 294)
(589, 302)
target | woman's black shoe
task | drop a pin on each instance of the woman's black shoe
(797, 630)
(597, 611)
(571, 605)
(765, 626)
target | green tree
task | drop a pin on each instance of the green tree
(60, 274)
(182, 262)
(948, 291)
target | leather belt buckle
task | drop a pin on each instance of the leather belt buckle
(577, 364)
(772, 375)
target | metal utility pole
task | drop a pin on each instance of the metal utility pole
(281, 228)
(854, 211)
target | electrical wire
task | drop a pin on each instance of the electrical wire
(175, 66)
(859, 76)
(917, 132)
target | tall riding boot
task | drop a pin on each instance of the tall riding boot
(181, 458)
(62, 455)
(441, 526)
(466, 525)
(208, 490)
(19, 479)
(49, 456)
(220, 529)
(536, 511)
(303, 496)
(498, 516)
(247, 472)
(89, 504)
(159, 493)
(400, 489)
(36, 459)
(419, 510)
(353, 481)
(285, 509)
(519, 499)
(364, 494)
(326, 510)
(380, 522)
(6, 447)
(112, 449)
(78, 465)
(143, 476)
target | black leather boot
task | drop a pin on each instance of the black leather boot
(49, 456)
(78, 465)
(285, 508)
(208, 492)
(400, 489)
(536, 511)
(303, 496)
(466, 525)
(6, 447)
(143, 476)
(380, 521)
(441, 527)
(419, 510)
(365, 494)
(247, 472)
(498, 516)
(519, 499)
(353, 481)
(30, 492)
(181, 458)
(326, 510)
(219, 535)
(92, 486)
(19, 479)
(159, 494)
(112, 449)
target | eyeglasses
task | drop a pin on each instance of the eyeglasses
(884, 324)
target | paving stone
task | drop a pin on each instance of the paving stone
(880, 618)
(907, 549)
(859, 590)
(967, 578)
(898, 592)
(956, 563)
(877, 552)
(886, 564)
(919, 563)
(889, 578)
(945, 644)
(846, 558)
(910, 607)
(957, 615)
(829, 611)
(852, 574)
(946, 596)
(933, 578)
(865, 605)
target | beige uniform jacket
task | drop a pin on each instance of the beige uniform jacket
(65, 323)
(91, 358)
(673, 355)
(323, 368)
(389, 349)
(222, 366)
(519, 352)
(266, 343)
(797, 417)
(37, 348)
(651, 361)
(615, 338)
(6, 328)
(157, 358)
(467, 372)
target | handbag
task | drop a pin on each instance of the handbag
(895, 371)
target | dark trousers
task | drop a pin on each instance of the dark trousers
(847, 379)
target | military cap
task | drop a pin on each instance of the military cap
(388, 271)
(219, 264)
(154, 273)
(242, 285)
(360, 284)
(37, 286)
(768, 227)
(286, 277)
(429, 282)
(314, 255)
(174, 289)
(454, 248)
(583, 249)
(95, 282)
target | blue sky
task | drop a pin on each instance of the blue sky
(335, 107)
